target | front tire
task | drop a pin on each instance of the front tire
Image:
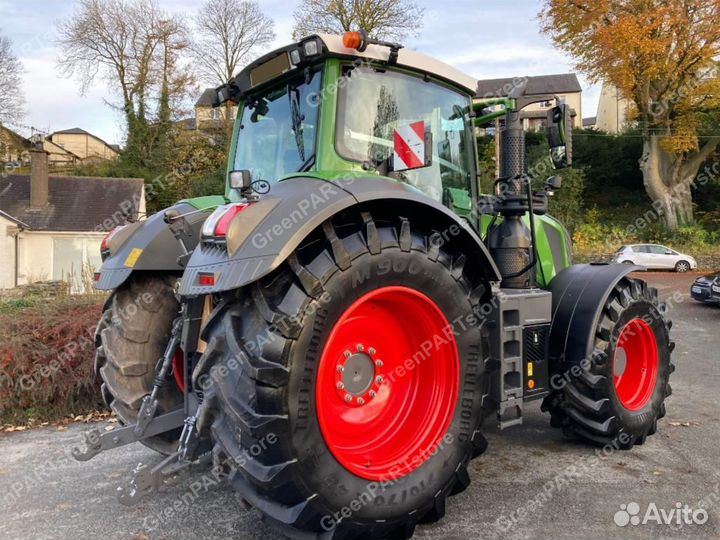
(618, 397)
(682, 267)
(376, 464)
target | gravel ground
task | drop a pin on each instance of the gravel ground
(48, 495)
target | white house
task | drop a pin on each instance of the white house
(51, 227)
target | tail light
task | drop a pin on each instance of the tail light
(105, 244)
(216, 225)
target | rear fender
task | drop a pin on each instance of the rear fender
(148, 245)
(264, 235)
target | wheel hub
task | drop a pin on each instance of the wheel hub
(359, 375)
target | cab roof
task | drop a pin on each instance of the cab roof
(406, 58)
(277, 63)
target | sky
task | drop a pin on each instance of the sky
(486, 39)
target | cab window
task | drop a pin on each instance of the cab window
(372, 103)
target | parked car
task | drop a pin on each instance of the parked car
(707, 288)
(655, 257)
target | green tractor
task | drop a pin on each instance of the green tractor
(332, 332)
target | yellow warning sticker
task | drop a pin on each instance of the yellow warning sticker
(133, 257)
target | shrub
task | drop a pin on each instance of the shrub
(46, 358)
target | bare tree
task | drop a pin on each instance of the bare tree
(383, 19)
(11, 98)
(135, 47)
(230, 33)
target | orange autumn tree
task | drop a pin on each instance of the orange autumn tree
(662, 55)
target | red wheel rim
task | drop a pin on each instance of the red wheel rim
(387, 383)
(178, 365)
(636, 374)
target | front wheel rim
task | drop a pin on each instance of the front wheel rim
(635, 381)
(387, 383)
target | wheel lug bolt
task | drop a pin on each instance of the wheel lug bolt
(340, 386)
(379, 379)
(360, 347)
(347, 354)
(379, 363)
(361, 401)
(348, 398)
(371, 351)
(371, 393)
(340, 369)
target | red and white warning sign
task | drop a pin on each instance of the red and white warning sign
(409, 147)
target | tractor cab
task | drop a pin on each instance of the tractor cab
(339, 108)
(332, 106)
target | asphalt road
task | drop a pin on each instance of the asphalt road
(45, 494)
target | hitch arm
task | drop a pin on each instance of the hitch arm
(96, 442)
(147, 423)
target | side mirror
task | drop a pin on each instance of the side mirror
(240, 180)
(559, 135)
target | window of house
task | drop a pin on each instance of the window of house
(215, 114)
(75, 260)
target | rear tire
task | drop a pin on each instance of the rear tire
(261, 375)
(130, 339)
(618, 398)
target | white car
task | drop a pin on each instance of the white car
(655, 257)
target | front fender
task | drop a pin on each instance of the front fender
(579, 294)
(264, 235)
(148, 246)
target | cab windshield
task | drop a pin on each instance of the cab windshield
(276, 134)
(373, 103)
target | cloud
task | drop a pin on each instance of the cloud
(54, 103)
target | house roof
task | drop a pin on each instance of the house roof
(75, 203)
(80, 131)
(206, 99)
(591, 121)
(72, 131)
(19, 139)
(54, 148)
(563, 83)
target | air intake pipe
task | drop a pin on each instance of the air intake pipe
(511, 242)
